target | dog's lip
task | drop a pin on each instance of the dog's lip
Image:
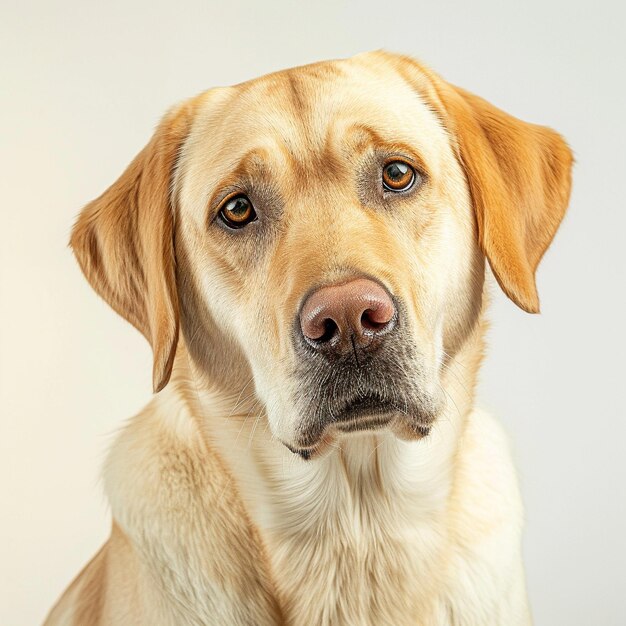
(361, 413)
(357, 425)
(367, 406)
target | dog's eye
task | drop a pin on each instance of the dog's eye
(398, 176)
(237, 212)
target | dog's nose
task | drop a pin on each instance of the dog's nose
(338, 317)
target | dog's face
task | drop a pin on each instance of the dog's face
(330, 192)
(320, 233)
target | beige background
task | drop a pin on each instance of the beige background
(82, 85)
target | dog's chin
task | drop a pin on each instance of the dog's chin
(363, 415)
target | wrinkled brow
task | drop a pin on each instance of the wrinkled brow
(363, 138)
(255, 163)
(252, 168)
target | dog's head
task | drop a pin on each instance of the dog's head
(322, 232)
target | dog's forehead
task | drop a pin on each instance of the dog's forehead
(303, 110)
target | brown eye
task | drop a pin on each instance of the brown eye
(398, 176)
(237, 212)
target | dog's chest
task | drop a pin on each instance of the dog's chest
(350, 542)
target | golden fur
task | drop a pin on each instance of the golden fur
(215, 520)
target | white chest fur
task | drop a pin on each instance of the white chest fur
(358, 536)
(381, 531)
(358, 543)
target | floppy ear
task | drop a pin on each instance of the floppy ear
(124, 243)
(519, 176)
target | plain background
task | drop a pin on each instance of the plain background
(82, 86)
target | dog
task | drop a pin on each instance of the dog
(306, 254)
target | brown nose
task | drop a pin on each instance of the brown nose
(359, 312)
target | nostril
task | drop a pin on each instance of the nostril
(330, 330)
(318, 328)
(369, 321)
(379, 315)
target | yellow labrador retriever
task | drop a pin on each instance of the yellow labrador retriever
(305, 253)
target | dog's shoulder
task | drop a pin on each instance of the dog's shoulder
(175, 502)
(485, 527)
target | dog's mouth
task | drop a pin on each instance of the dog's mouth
(368, 406)
(361, 414)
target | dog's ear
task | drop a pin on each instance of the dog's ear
(124, 242)
(519, 176)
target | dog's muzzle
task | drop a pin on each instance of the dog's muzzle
(356, 365)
